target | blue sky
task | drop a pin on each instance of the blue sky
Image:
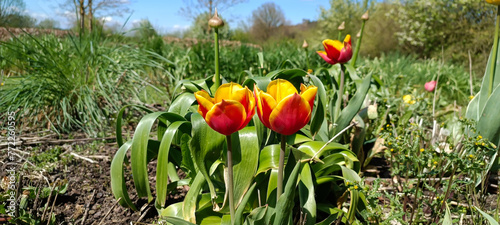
(164, 14)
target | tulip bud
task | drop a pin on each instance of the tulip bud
(342, 26)
(305, 45)
(365, 16)
(215, 21)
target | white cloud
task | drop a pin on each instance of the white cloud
(178, 27)
(107, 19)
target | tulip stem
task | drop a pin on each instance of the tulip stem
(229, 163)
(494, 55)
(307, 59)
(340, 97)
(358, 44)
(281, 167)
(217, 72)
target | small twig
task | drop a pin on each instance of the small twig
(331, 140)
(111, 209)
(82, 157)
(87, 206)
(143, 215)
(48, 200)
(35, 204)
(52, 208)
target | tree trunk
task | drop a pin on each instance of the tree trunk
(82, 16)
(91, 16)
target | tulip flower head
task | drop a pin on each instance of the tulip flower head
(336, 51)
(430, 86)
(282, 109)
(493, 2)
(230, 110)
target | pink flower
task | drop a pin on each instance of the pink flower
(430, 86)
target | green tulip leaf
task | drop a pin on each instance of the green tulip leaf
(307, 195)
(206, 147)
(182, 103)
(118, 186)
(319, 112)
(140, 146)
(489, 120)
(285, 204)
(353, 107)
(162, 168)
(191, 199)
(119, 119)
(245, 148)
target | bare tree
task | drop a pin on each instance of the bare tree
(194, 8)
(266, 19)
(12, 14)
(95, 8)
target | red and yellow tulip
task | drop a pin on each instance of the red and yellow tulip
(282, 109)
(230, 110)
(336, 51)
(494, 2)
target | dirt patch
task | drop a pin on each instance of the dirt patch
(88, 192)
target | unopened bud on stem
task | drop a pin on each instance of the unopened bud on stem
(215, 21)
(342, 26)
(305, 45)
(365, 16)
(358, 34)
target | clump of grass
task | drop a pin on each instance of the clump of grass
(75, 82)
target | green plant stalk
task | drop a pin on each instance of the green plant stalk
(341, 92)
(415, 203)
(281, 167)
(340, 35)
(358, 44)
(450, 182)
(229, 187)
(307, 59)
(216, 48)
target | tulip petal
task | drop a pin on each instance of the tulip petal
(265, 105)
(347, 39)
(290, 115)
(308, 93)
(205, 102)
(230, 91)
(280, 89)
(325, 57)
(249, 106)
(332, 48)
(345, 54)
(226, 117)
